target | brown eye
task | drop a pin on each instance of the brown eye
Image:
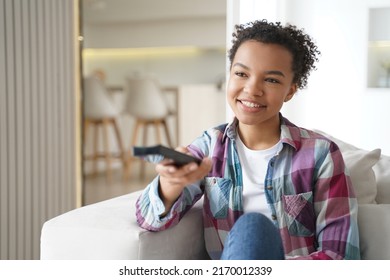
(272, 81)
(240, 74)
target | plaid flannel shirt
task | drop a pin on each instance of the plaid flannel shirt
(307, 188)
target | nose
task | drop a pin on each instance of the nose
(254, 87)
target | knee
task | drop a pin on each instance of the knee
(258, 223)
(254, 236)
(255, 220)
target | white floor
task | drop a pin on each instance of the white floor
(99, 187)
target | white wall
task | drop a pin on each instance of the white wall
(131, 24)
(337, 99)
(203, 32)
(151, 23)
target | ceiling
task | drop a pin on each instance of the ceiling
(120, 11)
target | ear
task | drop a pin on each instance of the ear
(291, 93)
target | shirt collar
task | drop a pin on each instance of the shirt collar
(290, 133)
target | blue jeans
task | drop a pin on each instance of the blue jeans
(253, 237)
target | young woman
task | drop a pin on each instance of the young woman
(271, 190)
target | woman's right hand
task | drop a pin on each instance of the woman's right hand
(174, 179)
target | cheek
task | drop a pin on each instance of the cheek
(277, 100)
(232, 89)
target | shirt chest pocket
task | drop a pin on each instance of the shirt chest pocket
(299, 214)
(218, 192)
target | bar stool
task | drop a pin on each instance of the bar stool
(101, 113)
(146, 103)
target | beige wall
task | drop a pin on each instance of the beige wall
(39, 117)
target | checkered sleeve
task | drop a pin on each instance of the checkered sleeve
(149, 207)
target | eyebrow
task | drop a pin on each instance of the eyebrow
(271, 72)
(275, 72)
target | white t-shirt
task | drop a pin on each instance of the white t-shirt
(254, 165)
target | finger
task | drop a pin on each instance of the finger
(176, 175)
(166, 161)
(192, 173)
(202, 171)
(184, 150)
(181, 149)
(178, 170)
(165, 169)
(186, 174)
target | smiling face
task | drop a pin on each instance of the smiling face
(260, 81)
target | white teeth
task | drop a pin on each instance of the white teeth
(250, 104)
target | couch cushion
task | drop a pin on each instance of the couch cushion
(374, 231)
(382, 173)
(360, 164)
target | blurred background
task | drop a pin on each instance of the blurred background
(181, 46)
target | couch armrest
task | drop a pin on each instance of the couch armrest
(108, 230)
(374, 231)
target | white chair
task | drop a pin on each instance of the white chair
(147, 104)
(100, 111)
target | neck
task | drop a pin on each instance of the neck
(259, 137)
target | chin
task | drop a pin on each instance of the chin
(247, 121)
(255, 121)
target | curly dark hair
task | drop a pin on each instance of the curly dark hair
(300, 45)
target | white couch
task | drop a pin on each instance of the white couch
(108, 229)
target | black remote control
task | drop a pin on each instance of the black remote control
(179, 158)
